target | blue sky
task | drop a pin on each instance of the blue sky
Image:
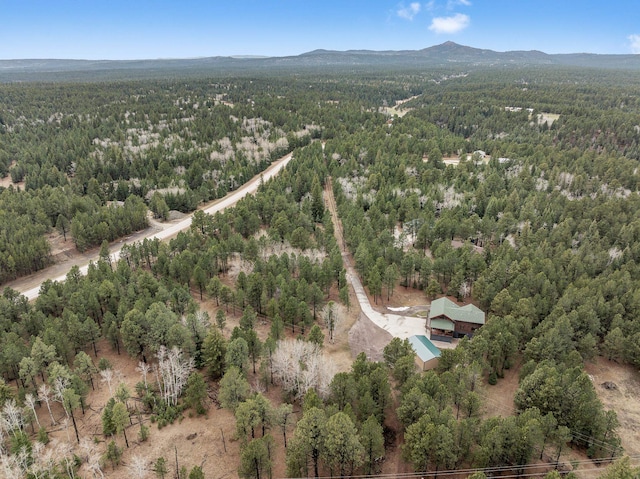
(135, 29)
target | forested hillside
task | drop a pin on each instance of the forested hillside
(516, 190)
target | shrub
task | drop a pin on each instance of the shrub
(43, 436)
(104, 364)
(143, 434)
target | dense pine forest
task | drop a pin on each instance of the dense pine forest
(516, 190)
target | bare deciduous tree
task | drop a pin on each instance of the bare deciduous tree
(65, 453)
(299, 366)
(107, 377)
(44, 394)
(3, 435)
(174, 370)
(30, 403)
(14, 466)
(91, 456)
(144, 368)
(59, 385)
(43, 460)
(94, 464)
(139, 467)
(465, 289)
(12, 417)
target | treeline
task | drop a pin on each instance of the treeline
(28, 215)
(597, 109)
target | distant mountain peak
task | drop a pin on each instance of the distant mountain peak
(450, 47)
(445, 54)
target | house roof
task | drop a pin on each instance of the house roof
(424, 348)
(445, 307)
(442, 324)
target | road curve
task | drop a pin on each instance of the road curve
(250, 187)
(395, 324)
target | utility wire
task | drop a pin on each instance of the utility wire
(579, 435)
(493, 469)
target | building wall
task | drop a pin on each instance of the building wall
(461, 327)
(466, 328)
(426, 365)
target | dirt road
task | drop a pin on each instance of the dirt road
(30, 286)
(395, 324)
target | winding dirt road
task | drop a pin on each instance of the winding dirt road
(395, 324)
(30, 286)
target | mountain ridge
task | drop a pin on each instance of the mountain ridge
(445, 54)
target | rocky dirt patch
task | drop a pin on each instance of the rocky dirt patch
(623, 398)
(368, 338)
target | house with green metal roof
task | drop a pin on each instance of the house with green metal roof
(448, 320)
(427, 354)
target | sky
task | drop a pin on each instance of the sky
(146, 29)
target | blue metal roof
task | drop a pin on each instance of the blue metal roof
(424, 348)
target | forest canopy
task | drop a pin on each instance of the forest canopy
(516, 190)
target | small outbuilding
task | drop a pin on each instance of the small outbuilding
(427, 354)
(447, 320)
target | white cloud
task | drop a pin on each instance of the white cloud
(452, 24)
(409, 12)
(455, 3)
(634, 43)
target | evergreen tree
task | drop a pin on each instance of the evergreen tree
(214, 351)
(120, 418)
(315, 336)
(196, 393)
(372, 439)
(256, 458)
(342, 449)
(308, 441)
(234, 388)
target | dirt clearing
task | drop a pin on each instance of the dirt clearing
(622, 395)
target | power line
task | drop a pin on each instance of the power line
(493, 469)
(595, 441)
(579, 435)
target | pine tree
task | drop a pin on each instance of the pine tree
(234, 388)
(196, 393)
(308, 441)
(255, 459)
(315, 336)
(372, 439)
(120, 418)
(342, 449)
(160, 467)
(214, 350)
